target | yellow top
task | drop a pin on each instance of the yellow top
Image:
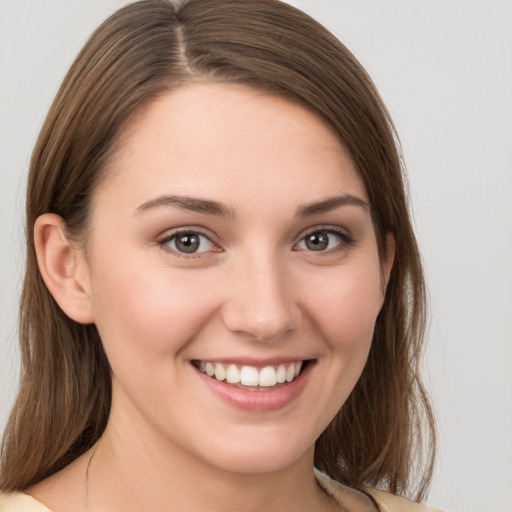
(20, 502)
(385, 501)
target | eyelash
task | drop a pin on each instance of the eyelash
(345, 241)
(165, 243)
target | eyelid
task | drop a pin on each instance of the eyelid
(164, 239)
(347, 239)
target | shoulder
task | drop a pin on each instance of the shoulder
(20, 502)
(387, 502)
(384, 501)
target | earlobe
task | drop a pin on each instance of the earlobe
(63, 268)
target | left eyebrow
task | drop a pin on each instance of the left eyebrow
(331, 203)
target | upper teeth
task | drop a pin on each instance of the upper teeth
(250, 375)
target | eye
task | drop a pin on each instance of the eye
(323, 240)
(188, 242)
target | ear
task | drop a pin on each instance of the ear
(63, 267)
(387, 260)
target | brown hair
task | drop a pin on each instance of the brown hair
(142, 51)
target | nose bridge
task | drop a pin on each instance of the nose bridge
(261, 302)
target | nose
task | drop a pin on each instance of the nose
(261, 301)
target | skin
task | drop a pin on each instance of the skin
(254, 291)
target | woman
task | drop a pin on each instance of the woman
(223, 288)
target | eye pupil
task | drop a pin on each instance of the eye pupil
(188, 242)
(317, 241)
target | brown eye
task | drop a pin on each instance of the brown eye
(324, 240)
(317, 241)
(189, 243)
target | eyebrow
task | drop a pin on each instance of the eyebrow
(210, 207)
(194, 204)
(331, 203)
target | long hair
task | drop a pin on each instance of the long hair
(147, 49)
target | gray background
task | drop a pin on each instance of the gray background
(444, 68)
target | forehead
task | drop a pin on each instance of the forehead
(231, 141)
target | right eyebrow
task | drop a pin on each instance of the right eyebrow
(196, 204)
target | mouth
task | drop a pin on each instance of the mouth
(259, 387)
(253, 378)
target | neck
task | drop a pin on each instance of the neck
(136, 473)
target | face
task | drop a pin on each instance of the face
(234, 277)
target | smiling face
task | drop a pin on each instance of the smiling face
(234, 277)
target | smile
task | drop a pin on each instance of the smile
(251, 376)
(237, 384)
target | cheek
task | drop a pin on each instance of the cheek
(146, 316)
(346, 308)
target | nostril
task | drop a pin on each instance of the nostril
(259, 301)
(270, 323)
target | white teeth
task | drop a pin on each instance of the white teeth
(210, 369)
(249, 376)
(281, 374)
(220, 372)
(233, 374)
(268, 376)
(290, 373)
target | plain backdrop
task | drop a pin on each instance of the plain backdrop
(444, 69)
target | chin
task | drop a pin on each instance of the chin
(258, 454)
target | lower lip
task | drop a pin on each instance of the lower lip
(258, 401)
